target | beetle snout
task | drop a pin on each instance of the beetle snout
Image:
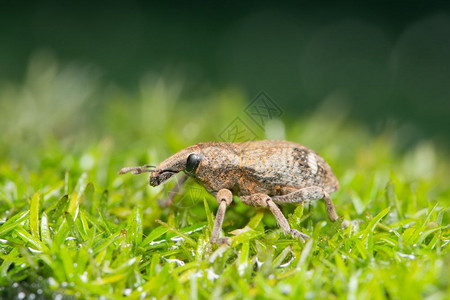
(154, 180)
(157, 178)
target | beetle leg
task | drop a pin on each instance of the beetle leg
(308, 194)
(263, 200)
(173, 192)
(224, 198)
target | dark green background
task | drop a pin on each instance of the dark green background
(384, 62)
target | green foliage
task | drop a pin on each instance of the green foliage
(71, 226)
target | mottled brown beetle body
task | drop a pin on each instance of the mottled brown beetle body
(270, 167)
(262, 173)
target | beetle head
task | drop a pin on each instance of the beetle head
(188, 165)
(185, 160)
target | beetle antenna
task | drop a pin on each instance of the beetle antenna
(137, 170)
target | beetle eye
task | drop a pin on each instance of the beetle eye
(192, 163)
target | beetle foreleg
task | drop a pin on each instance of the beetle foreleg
(308, 194)
(173, 192)
(224, 197)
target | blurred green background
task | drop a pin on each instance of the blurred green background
(385, 64)
(89, 87)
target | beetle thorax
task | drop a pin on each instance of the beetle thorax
(218, 168)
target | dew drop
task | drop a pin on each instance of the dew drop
(127, 292)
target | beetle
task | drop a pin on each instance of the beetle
(262, 173)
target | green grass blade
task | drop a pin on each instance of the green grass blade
(374, 222)
(14, 221)
(154, 234)
(45, 231)
(34, 215)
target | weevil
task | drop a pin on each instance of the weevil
(262, 173)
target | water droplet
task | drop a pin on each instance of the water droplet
(211, 275)
(34, 250)
(58, 297)
(259, 263)
(127, 292)
(179, 263)
(289, 262)
(177, 239)
(286, 288)
(410, 256)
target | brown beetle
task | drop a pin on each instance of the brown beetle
(262, 173)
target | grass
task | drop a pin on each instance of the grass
(70, 227)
